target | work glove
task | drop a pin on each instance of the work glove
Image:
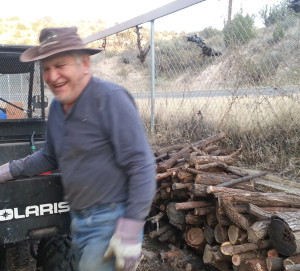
(5, 174)
(126, 244)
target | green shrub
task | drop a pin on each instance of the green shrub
(240, 30)
(278, 33)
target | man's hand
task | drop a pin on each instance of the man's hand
(126, 244)
(5, 174)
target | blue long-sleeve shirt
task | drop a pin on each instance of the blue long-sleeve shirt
(101, 148)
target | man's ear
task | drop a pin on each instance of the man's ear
(86, 60)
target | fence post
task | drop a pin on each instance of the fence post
(152, 47)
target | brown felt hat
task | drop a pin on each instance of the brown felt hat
(54, 40)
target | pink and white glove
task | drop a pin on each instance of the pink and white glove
(126, 244)
(5, 174)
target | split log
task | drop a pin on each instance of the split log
(229, 249)
(180, 154)
(285, 233)
(274, 263)
(254, 265)
(258, 230)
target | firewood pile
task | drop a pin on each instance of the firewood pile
(233, 218)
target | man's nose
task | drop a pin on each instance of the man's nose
(52, 75)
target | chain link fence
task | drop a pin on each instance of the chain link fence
(241, 78)
(21, 89)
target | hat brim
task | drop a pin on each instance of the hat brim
(33, 54)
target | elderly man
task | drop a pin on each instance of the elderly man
(96, 139)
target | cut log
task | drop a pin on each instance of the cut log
(211, 219)
(258, 231)
(260, 199)
(236, 218)
(192, 204)
(194, 219)
(209, 235)
(236, 235)
(204, 210)
(274, 263)
(200, 160)
(194, 237)
(260, 213)
(268, 186)
(176, 186)
(256, 264)
(159, 231)
(198, 190)
(221, 233)
(295, 267)
(292, 260)
(272, 253)
(213, 254)
(164, 237)
(180, 154)
(184, 176)
(285, 233)
(229, 249)
(239, 258)
(242, 179)
(176, 217)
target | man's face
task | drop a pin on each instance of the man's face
(67, 76)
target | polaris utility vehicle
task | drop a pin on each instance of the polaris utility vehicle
(34, 218)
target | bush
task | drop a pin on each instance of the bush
(278, 33)
(240, 30)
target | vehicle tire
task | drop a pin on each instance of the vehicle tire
(56, 254)
(3, 258)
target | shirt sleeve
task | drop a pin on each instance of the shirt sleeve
(132, 152)
(37, 163)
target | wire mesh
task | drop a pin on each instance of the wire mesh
(241, 78)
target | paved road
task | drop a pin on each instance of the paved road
(242, 92)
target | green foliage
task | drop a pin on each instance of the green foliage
(240, 30)
(278, 33)
(275, 13)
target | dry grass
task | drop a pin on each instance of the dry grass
(267, 126)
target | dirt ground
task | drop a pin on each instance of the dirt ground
(152, 261)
